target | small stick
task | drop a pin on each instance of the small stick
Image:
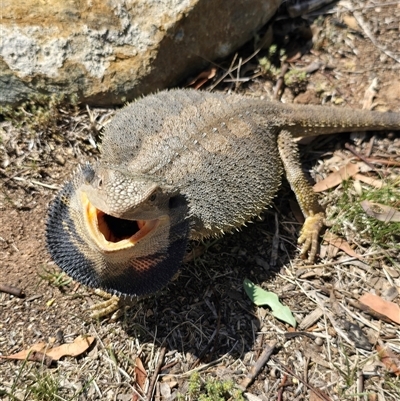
(169, 365)
(275, 243)
(255, 370)
(383, 161)
(360, 382)
(316, 391)
(360, 156)
(282, 387)
(279, 82)
(8, 289)
(205, 350)
(365, 27)
(307, 362)
(245, 61)
(156, 372)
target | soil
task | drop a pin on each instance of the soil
(203, 319)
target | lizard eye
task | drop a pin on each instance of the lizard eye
(153, 197)
(99, 183)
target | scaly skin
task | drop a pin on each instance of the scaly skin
(185, 164)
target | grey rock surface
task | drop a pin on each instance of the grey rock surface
(111, 52)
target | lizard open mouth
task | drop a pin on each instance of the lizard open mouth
(111, 233)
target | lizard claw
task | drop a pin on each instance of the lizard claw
(113, 305)
(309, 235)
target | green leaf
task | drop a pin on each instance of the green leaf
(261, 297)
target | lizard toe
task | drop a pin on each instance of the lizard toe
(309, 236)
(113, 305)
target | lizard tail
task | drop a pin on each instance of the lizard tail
(316, 120)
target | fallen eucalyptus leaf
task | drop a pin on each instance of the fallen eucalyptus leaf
(261, 297)
(381, 212)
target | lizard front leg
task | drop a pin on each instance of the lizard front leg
(306, 197)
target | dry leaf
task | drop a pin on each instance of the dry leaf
(36, 356)
(33, 354)
(315, 397)
(342, 244)
(389, 359)
(357, 186)
(379, 305)
(344, 173)
(140, 373)
(39, 347)
(80, 345)
(374, 182)
(165, 391)
(370, 94)
(295, 57)
(381, 212)
(351, 22)
(202, 78)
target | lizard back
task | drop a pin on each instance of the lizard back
(209, 146)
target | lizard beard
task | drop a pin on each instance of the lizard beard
(101, 263)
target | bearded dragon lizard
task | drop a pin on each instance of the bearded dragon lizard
(185, 164)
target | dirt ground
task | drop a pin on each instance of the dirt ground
(202, 321)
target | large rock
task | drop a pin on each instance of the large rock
(112, 51)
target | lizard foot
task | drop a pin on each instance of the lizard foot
(309, 235)
(112, 305)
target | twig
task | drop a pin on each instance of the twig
(370, 95)
(279, 82)
(42, 184)
(238, 71)
(207, 347)
(319, 393)
(8, 289)
(275, 243)
(294, 334)
(360, 381)
(383, 161)
(245, 61)
(153, 382)
(367, 31)
(34, 182)
(330, 263)
(169, 365)
(297, 8)
(360, 156)
(366, 7)
(305, 375)
(255, 370)
(281, 387)
(226, 73)
(203, 367)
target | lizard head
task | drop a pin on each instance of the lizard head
(126, 195)
(119, 232)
